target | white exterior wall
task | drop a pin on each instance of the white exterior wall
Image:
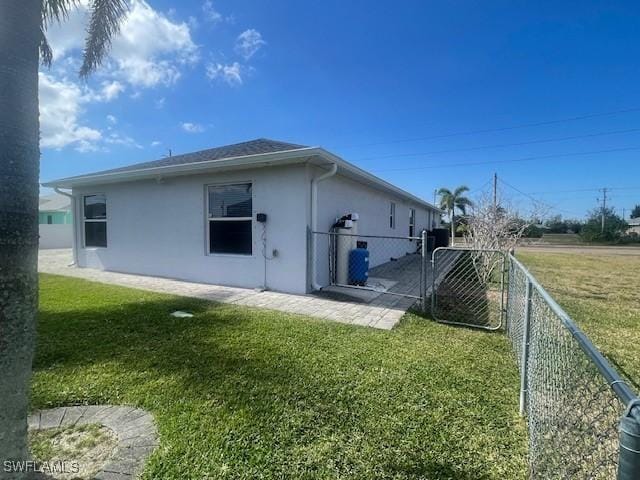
(339, 195)
(159, 229)
(55, 235)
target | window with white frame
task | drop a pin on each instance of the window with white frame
(412, 222)
(95, 220)
(392, 215)
(229, 220)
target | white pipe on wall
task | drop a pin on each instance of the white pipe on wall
(314, 220)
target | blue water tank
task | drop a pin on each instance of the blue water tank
(358, 266)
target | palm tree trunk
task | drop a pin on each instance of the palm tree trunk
(19, 169)
(453, 227)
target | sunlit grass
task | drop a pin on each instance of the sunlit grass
(250, 393)
(602, 294)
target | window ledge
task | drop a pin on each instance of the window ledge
(230, 255)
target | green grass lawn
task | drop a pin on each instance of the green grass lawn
(601, 293)
(249, 393)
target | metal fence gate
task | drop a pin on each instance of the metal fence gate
(583, 418)
(395, 266)
(467, 287)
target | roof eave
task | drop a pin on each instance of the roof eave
(298, 155)
(244, 161)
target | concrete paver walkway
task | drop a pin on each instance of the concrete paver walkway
(384, 312)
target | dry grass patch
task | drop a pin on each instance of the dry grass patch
(75, 452)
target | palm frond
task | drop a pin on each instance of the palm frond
(56, 10)
(460, 190)
(46, 55)
(104, 23)
(462, 203)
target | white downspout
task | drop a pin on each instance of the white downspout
(74, 219)
(314, 220)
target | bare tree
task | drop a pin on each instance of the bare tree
(492, 227)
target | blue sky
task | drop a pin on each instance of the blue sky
(424, 94)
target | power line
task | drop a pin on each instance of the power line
(578, 190)
(501, 145)
(535, 200)
(523, 159)
(499, 129)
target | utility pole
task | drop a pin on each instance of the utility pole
(435, 193)
(495, 191)
(604, 207)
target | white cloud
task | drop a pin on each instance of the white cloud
(60, 108)
(231, 74)
(111, 90)
(156, 143)
(159, 103)
(249, 42)
(210, 13)
(150, 49)
(62, 105)
(193, 22)
(122, 140)
(192, 127)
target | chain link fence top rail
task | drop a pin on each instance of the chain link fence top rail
(573, 399)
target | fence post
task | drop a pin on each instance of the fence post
(629, 453)
(524, 361)
(423, 271)
(433, 283)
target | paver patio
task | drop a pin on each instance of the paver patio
(383, 311)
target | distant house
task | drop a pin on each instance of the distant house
(56, 221)
(634, 225)
(236, 215)
(55, 209)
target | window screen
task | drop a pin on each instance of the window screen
(230, 201)
(230, 237)
(95, 234)
(95, 207)
(412, 222)
(392, 215)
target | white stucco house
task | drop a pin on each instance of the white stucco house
(198, 216)
(634, 225)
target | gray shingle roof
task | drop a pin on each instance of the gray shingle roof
(634, 221)
(54, 202)
(252, 147)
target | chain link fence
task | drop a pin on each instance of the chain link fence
(583, 419)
